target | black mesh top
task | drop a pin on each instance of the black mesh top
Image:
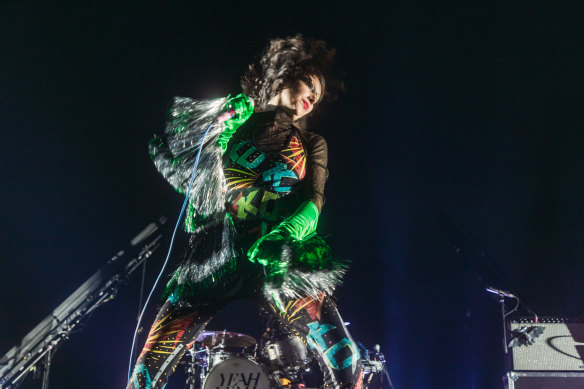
(271, 132)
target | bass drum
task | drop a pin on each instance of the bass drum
(239, 373)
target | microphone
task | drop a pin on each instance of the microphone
(500, 292)
(226, 115)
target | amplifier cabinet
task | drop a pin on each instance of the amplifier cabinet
(544, 380)
(559, 348)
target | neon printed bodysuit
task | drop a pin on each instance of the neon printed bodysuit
(261, 246)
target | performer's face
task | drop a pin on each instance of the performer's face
(299, 97)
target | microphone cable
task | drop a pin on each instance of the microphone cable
(169, 249)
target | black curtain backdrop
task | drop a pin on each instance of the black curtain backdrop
(455, 163)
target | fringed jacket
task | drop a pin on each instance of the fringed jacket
(259, 175)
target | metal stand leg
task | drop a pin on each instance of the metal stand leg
(191, 371)
(196, 370)
(502, 301)
(389, 379)
(47, 370)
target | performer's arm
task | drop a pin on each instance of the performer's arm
(317, 172)
(174, 153)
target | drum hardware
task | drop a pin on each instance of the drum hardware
(374, 366)
(197, 367)
(222, 359)
(225, 339)
(219, 355)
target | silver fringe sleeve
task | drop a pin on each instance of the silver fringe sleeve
(174, 154)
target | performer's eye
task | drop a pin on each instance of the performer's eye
(308, 81)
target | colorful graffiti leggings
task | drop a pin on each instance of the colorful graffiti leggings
(316, 321)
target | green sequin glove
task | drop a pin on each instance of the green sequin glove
(243, 107)
(299, 226)
(269, 249)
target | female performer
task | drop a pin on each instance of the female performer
(252, 214)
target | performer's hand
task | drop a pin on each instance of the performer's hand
(269, 249)
(241, 105)
(237, 110)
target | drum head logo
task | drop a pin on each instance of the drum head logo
(238, 380)
(237, 373)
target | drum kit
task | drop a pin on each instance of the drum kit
(230, 360)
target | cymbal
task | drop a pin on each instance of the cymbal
(225, 339)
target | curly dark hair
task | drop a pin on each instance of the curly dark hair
(285, 61)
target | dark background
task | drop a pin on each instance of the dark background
(455, 159)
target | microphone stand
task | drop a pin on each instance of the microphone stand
(502, 294)
(42, 342)
(503, 316)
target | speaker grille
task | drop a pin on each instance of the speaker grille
(559, 348)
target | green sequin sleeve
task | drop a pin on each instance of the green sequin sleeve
(243, 107)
